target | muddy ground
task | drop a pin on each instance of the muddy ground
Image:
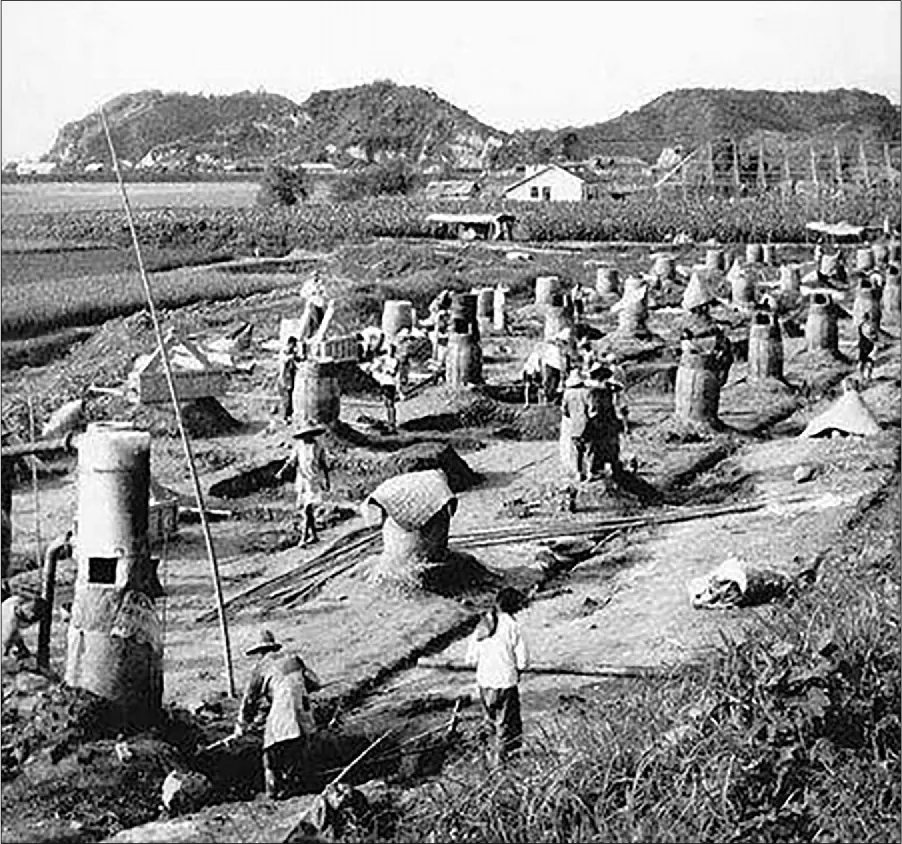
(622, 609)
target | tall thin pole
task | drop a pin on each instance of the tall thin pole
(837, 160)
(864, 163)
(34, 485)
(737, 176)
(787, 174)
(814, 169)
(711, 188)
(762, 176)
(186, 443)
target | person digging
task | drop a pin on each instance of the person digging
(311, 476)
(278, 691)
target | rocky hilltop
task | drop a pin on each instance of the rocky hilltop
(381, 121)
(367, 123)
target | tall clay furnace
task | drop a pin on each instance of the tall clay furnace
(115, 644)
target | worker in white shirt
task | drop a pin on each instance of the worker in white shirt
(16, 614)
(499, 651)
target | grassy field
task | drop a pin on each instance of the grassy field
(33, 198)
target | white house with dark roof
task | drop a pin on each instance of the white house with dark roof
(555, 183)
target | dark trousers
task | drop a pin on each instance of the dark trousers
(502, 708)
(584, 449)
(285, 403)
(389, 397)
(283, 765)
(551, 382)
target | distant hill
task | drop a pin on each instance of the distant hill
(690, 117)
(382, 120)
(181, 130)
(366, 123)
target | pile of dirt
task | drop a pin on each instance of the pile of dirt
(248, 480)
(423, 456)
(535, 422)
(353, 381)
(762, 402)
(355, 474)
(74, 769)
(474, 407)
(204, 418)
(456, 576)
(56, 719)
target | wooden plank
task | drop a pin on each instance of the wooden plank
(552, 669)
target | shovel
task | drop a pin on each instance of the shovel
(223, 742)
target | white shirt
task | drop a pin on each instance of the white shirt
(501, 657)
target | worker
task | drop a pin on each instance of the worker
(607, 426)
(311, 477)
(279, 690)
(579, 409)
(288, 369)
(531, 374)
(867, 343)
(617, 382)
(578, 299)
(500, 653)
(556, 361)
(387, 372)
(18, 613)
(723, 355)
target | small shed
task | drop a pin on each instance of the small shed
(473, 226)
(453, 189)
(194, 374)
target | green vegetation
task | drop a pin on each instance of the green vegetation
(55, 303)
(281, 187)
(791, 735)
(275, 231)
(394, 178)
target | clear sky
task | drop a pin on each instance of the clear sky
(513, 65)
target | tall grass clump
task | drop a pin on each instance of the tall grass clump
(792, 734)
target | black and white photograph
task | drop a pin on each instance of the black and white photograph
(442, 422)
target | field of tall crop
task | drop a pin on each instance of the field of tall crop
(241, 230)
(29, 310)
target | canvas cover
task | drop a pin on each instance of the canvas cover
(697, 293)
(848, 414)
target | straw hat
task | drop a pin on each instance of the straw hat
(599, 372)
(306, 429)
(574, 379)
(266, 644)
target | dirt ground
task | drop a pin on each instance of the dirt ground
(624, 606)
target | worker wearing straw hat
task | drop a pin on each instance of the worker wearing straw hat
(278, 691)
(607, 426)
(580, 412)
(311, 476)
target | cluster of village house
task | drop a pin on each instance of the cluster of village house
(555, 182)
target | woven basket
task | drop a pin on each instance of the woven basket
(413, 498)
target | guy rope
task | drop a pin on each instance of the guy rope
(186, 443)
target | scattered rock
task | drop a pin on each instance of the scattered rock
(183, 792)
(804, 473)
